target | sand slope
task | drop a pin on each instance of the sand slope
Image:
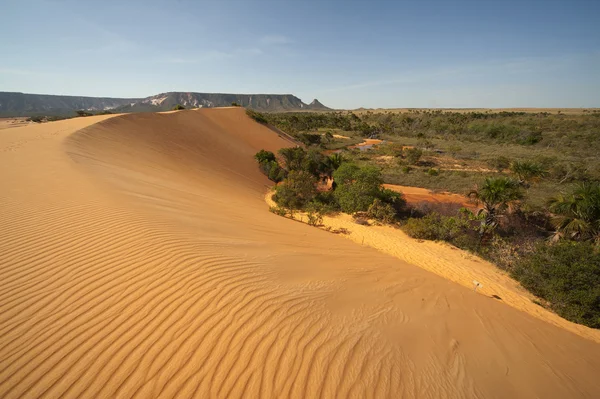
(138, 259)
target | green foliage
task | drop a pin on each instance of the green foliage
(433, 172)
(413, 155)
(381, 211)
(309, 139)
(264, 156)
(257, 116)
(83, 113)
(312, 162)
(178, 107)
(297, 190)
(293, 157)
(577, 215)
(235, 104)
(269, 166)
(278, 210)
(331, 164)
(567, 275)
(357, 186)
(495, 194)
(434, 226)
(528, 171)
(405, 169)
(314, 213)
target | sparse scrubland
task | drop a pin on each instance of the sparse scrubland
(532, 178)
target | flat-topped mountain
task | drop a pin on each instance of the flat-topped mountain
(21, 104)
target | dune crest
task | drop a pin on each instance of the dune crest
(138, 259)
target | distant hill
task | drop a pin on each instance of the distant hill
(21, 104)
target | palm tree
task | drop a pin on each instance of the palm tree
(331, 164)
(577, 214)
(528, 172)
(496, 194)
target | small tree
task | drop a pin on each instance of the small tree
(331, 164)
(297, 190)
(264, 156)
(235, 104)
(293, 157)
(496, 194)
(178, 107)
(357, 187)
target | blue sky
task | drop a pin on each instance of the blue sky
(347, 54)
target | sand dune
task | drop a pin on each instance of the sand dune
(138, 259)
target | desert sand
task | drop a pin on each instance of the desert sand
(138, 259)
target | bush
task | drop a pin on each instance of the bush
(278, 210)
(297, 190)
(357, 187)
(36, 119)
(178, 107)
(436, 227)
(314, 214)
(269, 166)
(264, 156)
(433, 172)
(257, 116)
(567, 275)
(413, 155)
(309, 139)
(381, 211)
(235, 104)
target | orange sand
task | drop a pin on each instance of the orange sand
(414, 195)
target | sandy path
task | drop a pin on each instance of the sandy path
(138, 259)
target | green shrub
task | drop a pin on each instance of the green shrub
(434, 226)
(235, 104)
(314, 213)
(567, 275)
(413, 155)
(309, 139)
(257, 116)
(405, 169)
(264, 156)
(178, 107)
(381, 211)
(297, 190)
(278, 210)
(433, 172)
(357, 187)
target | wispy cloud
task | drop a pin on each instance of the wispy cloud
(275, 39)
